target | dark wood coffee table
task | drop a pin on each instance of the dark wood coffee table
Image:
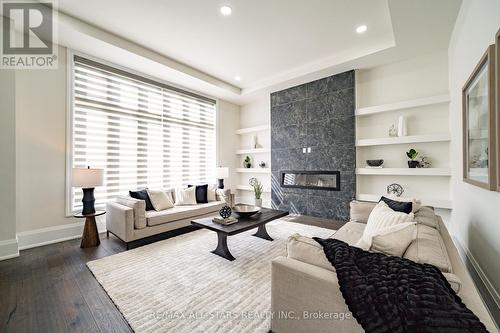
(258, 220)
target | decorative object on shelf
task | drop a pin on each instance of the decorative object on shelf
(393, 131)
(225, 212)
(255, 141)
(262, 164)
(257, 189)
(402, 130)
(395, 189)
(221, 173)
(374, 163)
(247, 163)
(87, 179)
(479, 126)
(424, 162)
(412, 155)
(243, 210)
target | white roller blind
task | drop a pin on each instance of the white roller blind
(141, 132)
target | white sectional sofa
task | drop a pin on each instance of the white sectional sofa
(305, 284)
(127, 218)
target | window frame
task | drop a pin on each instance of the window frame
(70, 54)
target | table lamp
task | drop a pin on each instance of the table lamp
(87, 179)
(221, 173)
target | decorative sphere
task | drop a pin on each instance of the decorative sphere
(225, 212)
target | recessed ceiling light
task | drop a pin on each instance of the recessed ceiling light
(237, 78)
(226, 10)
(361, 29)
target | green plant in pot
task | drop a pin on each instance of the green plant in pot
(257, 190)
(412, 155)
(247, 163)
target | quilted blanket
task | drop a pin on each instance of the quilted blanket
(393, 294)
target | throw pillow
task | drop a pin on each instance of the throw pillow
(160, 200)
(212, 192)
(382, 217)
(398, 206)
(185, 196)
(142, 195)
(201, 193)
(394, 243)
(416, 204)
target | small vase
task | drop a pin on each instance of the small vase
(402, 126)
(258, 202)
(412, 164)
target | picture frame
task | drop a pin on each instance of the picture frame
(497, 101)
(480, 125)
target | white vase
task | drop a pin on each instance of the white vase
(254, 141)
(258, 202)
(402, 131)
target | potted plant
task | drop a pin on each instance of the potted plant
(412, 155)
(257, 190)
(247, 163)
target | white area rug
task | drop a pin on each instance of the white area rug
(177, 285)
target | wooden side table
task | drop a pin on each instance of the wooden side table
(90, 237)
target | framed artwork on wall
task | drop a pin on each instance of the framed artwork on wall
(480, 125)
(497, 102)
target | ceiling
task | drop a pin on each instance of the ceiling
(268, 43)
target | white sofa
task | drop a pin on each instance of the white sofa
(305, 282)
(127, 218)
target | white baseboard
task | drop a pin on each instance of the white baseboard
(467, 256)
(9, 249)
(55, 234)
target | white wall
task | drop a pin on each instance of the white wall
(228, 120)
(475, 218)
(256, 113)
(413, 78)
(8, 242)
(41, 112)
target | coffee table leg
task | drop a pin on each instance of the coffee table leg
(262, 233)
(222, 249)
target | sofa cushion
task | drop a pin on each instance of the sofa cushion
(416, 204)
(360, 210)
(307, 250)
(394, 243)
(142, 195)
(426, 215)
(398, 206)
(350, 232)
(181, 212)
(160, 200)
(429, 248)
(185, 196)
(201, 193)
(139, 207)
(454, 281)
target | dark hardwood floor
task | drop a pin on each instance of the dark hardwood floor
(49, 289)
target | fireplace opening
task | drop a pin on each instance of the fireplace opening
(318, 180)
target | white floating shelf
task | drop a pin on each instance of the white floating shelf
(252, 151)
(404, 171)
(249, 188)
(439, 99)
(253, 129)
(403, 140)
(437, 203)
(253, 170)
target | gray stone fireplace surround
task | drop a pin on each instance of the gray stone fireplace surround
(312, 129)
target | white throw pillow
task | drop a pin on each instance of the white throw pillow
(185, 196)
(394, 243)
(211, 192)
(415, 203)
(382, 217)
(160, 200)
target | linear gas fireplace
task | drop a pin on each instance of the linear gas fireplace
(317, 180)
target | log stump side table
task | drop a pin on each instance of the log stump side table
(90, 237)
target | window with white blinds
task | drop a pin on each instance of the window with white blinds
(141, 132)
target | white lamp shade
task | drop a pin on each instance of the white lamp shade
(221, 173)
(87, 178)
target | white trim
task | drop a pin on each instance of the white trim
(404, 139)
(466, 255)
(254, 129)
(253, 151)
(403, 105)
(55, 234)
(446, 172)
(9, 249)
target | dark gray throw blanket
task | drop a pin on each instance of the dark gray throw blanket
(393, 294)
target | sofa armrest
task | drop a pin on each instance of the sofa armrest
(120, 220)
(139, 207)
(301, 290)
(224, 195)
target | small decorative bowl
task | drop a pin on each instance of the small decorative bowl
(374, 163)
(243, 210)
